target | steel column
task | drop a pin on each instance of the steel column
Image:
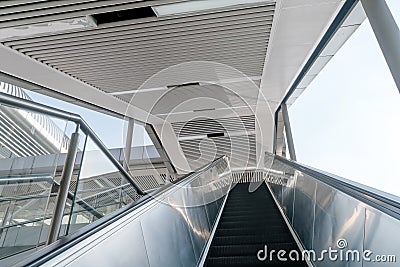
(64, 187)
(128, 144)
(288, 132)
(167, 176)
(386, 32)
(161, 151)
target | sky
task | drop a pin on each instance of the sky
(108, 128)
(347, 121)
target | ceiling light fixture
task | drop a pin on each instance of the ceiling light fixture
(200, 5)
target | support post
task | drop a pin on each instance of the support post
(386, 32)
(167, 181)
(161, 151)
(64, 187)
(288, 132)
(128, 144)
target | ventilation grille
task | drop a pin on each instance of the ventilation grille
(238, 141)
(209, 126)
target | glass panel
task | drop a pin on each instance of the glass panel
(33, 151)
(100, 189)
(348, 117)
(31, 148)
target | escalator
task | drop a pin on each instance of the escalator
(248, 222)
(210, 218)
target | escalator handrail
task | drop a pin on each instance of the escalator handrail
(17, 102)
(374, 199)
(66, 242)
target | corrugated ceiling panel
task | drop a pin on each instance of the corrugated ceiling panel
(121, 56)
(207, 126)
(238, 143)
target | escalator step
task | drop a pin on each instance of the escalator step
(248, 261)
(249, 250)
(252, 239)
(253, 213)
(248, 222)
(250, 230)
(232, 218)
(264, 223)
(260, 210)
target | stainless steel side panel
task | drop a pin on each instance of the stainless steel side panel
(107, 253)
(167, 237)
(303, 216)
(288, 194)
(171, 230)
(337, 216)
(199, 228)
(322, 215)
(277, 190)
(382, 237)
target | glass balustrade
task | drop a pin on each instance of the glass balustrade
(33, 152)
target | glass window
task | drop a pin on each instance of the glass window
(347, 120)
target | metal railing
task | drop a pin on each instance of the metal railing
(380, 200)
(63, 207)
(16, 102)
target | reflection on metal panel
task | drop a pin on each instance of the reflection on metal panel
(199, 230)
(170, 230)
(337, 216)
(175, 247)
(287, 201)
(323, 215)
(104, 256)
(382, 237)
(303, 217)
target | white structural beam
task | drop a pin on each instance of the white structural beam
(264, 131)
(386, 32)
(172, 147)
(297, 28)
(128, 144)
(23, 67)
(288, 132)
